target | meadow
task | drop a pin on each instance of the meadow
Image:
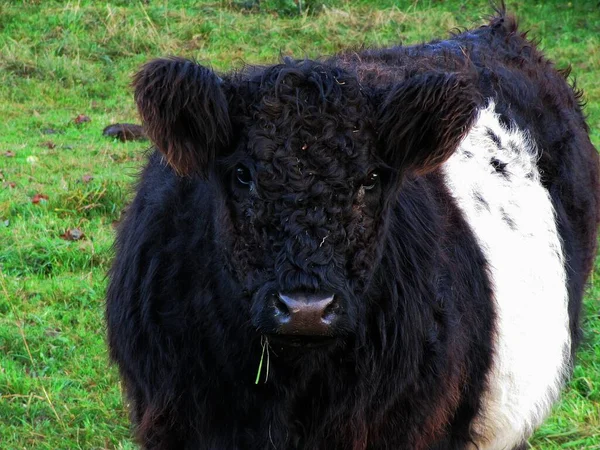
(65, 71)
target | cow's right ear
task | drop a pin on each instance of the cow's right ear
(185, 112)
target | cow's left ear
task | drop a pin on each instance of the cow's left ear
(423, 119)
(185, 113)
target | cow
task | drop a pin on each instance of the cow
(382, 249)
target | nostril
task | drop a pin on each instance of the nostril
(331, 311)
(281, 310)
(280, 306)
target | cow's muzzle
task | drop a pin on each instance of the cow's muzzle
(298, 314)
(302, 314)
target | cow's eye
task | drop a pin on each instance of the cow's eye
(243, 176)
(371, 181)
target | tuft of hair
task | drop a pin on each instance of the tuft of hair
(424, 118)
(184, 111)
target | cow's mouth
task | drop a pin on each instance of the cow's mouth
(300, 342)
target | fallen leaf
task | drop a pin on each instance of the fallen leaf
(87, 178)
(52, 332)
(9, 154)
(72, 234)
(115, 223)
(39, 198)
(10, 184)
(81, 118)
(125, 132)
(48, 144)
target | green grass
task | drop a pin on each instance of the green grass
(61, 59)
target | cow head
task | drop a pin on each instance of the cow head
(308, 163)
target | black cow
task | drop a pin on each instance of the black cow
(381, 250)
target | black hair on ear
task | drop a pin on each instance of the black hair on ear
(184, 111)
(423, 119)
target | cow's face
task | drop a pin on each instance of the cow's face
(308, 162)
(305, 193)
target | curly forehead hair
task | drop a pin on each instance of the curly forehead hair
(306, 132)
(298, 105)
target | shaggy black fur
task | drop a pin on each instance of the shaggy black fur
(322, 176)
